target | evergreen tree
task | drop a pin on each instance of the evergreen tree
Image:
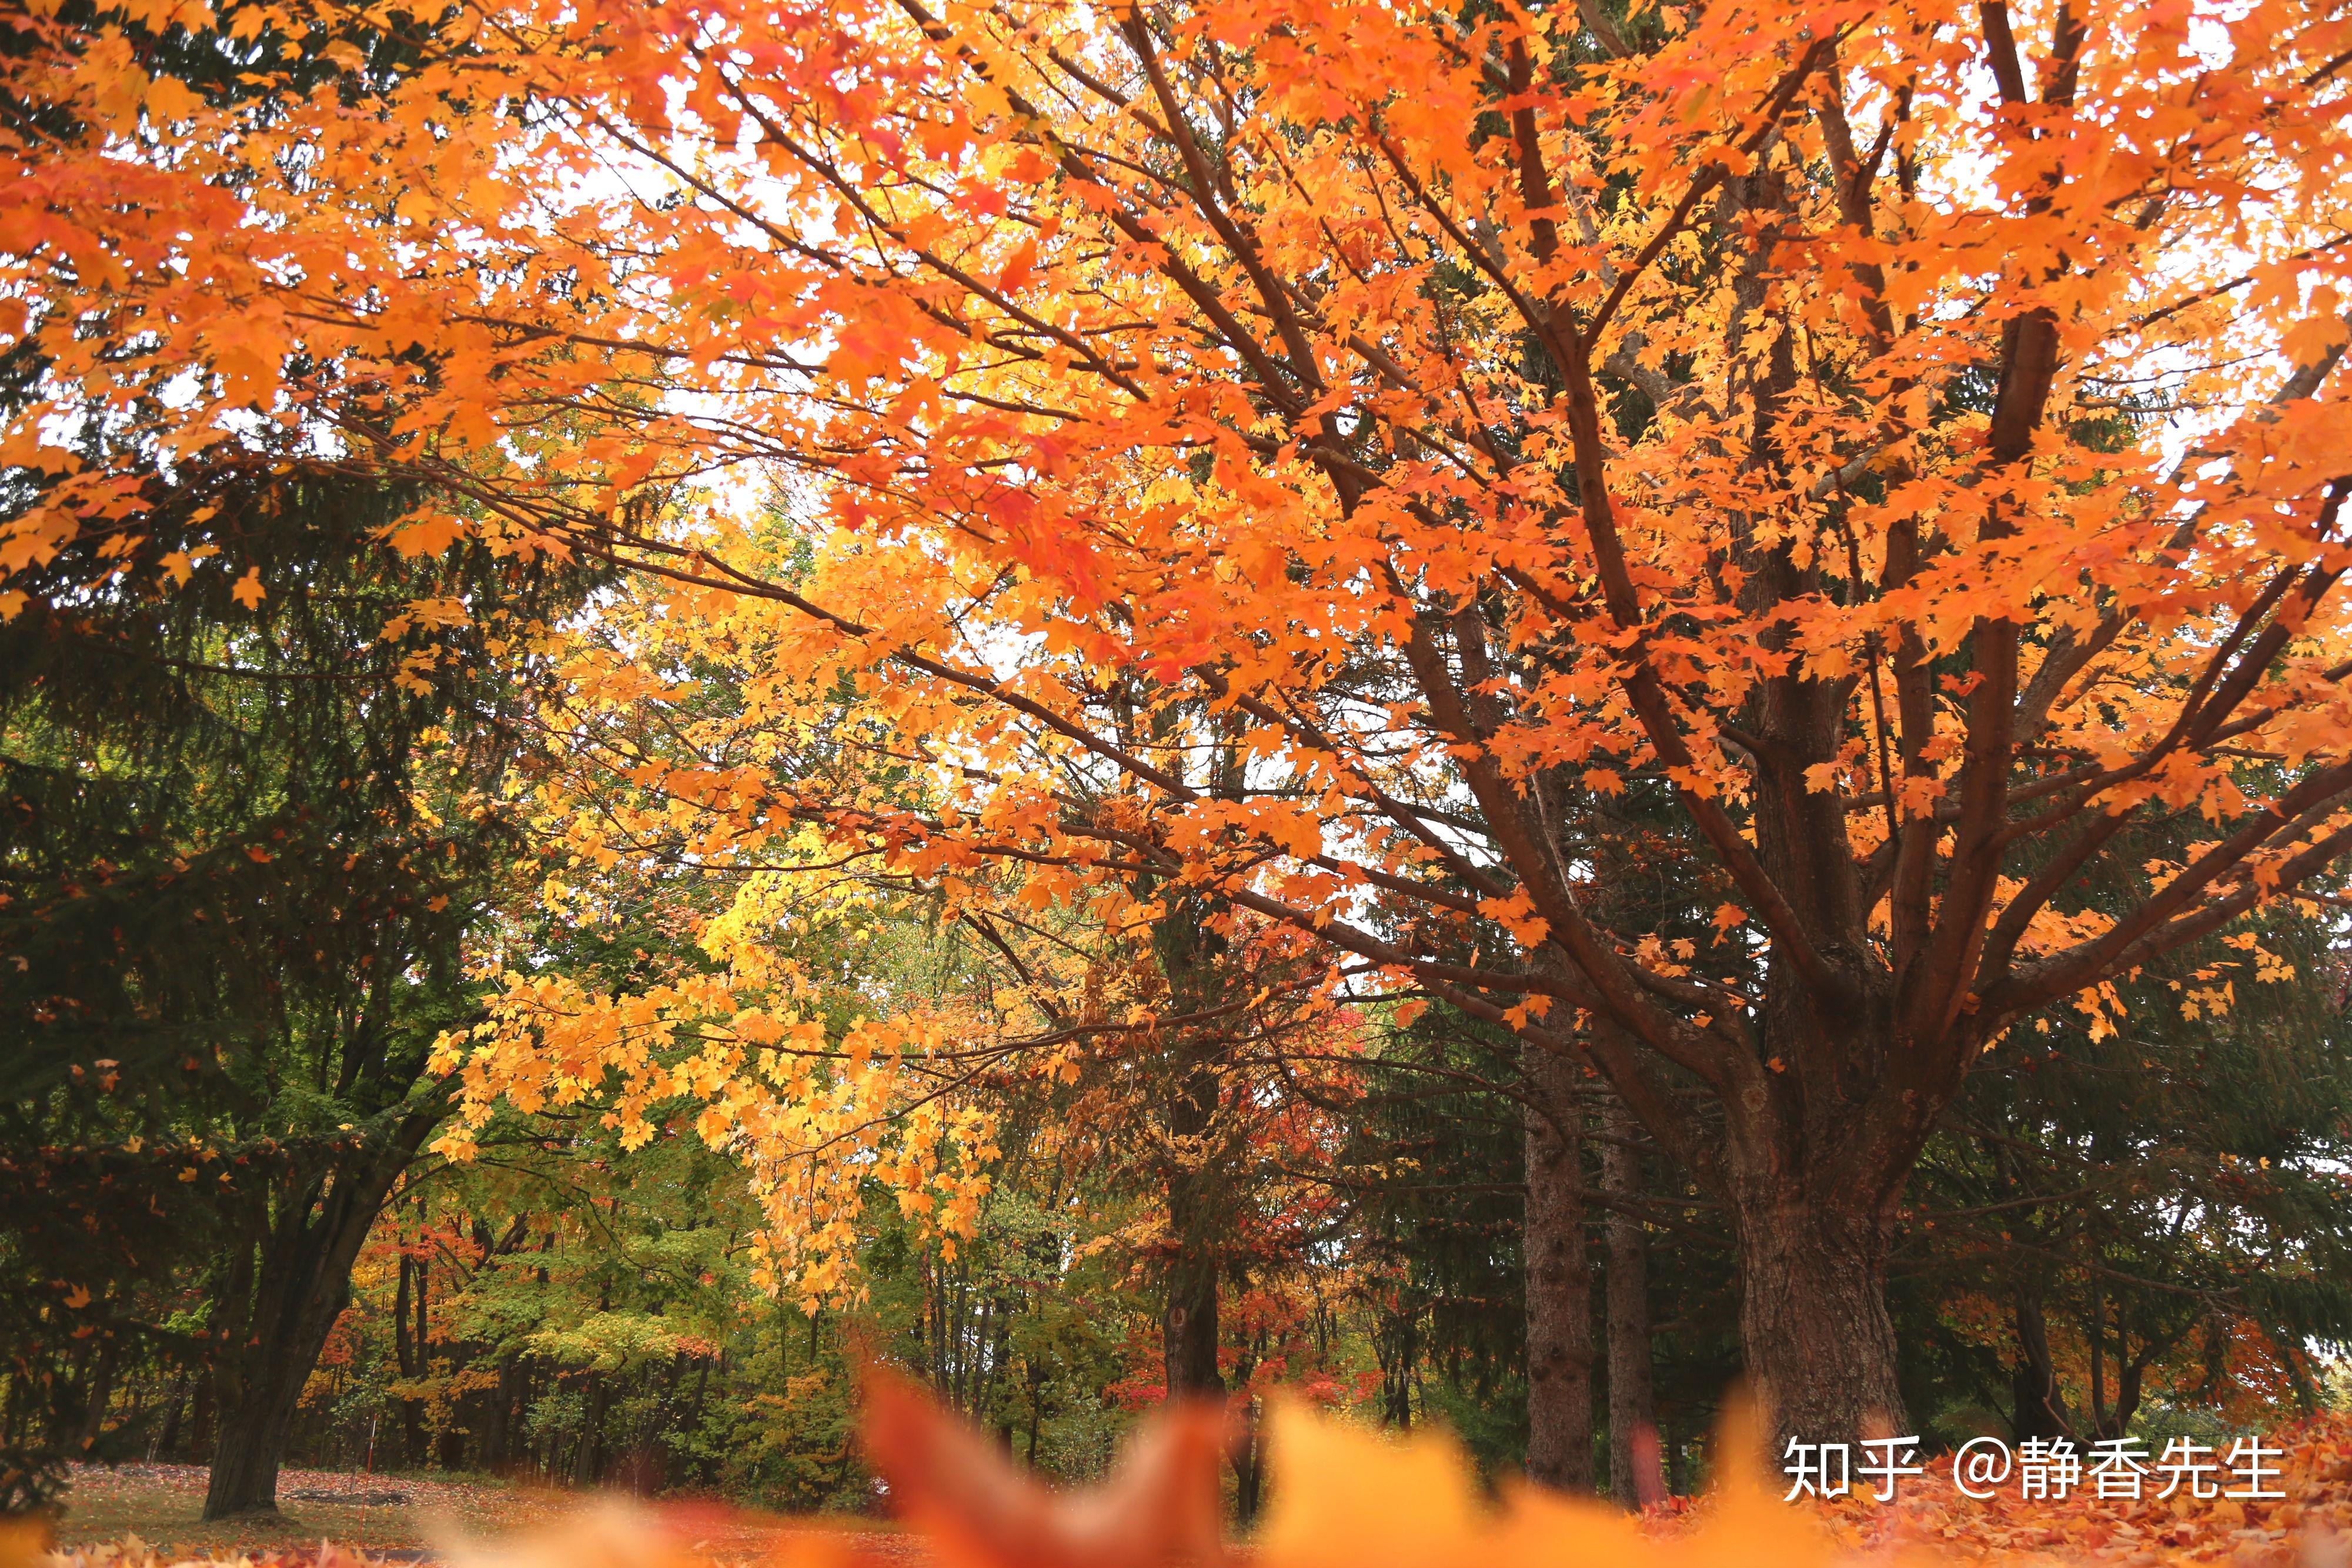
(2146, 1205)
(248, 822)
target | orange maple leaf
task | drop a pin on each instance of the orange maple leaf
(1160, 1505)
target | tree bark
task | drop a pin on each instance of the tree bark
(202, 1426)
(408, 1354)
(1394, 1347)
(1190, 954)
(1632, 1420)
(588, 1461)
(97, 1396)
(1558, 1281)
(1188, 1327)
(1249, 1473)
(2128, 1388)
(1812, 1313)
(167, 1438)
(1036, 1413)
(498, 1440)
(301, 1291)
(303, 1282)
(2039, 1410)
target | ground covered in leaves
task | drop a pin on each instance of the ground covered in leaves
(162, 1506)
(1346, 1501)
(2310, 1527)
(138, 1516)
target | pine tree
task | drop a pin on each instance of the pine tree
(248, 824)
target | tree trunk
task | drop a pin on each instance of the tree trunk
(1559, 1282)
(498, 1439)
(1188, 1328)
(97, 1396)
(1189, 952)
(2127, 1398)
(1813, 1325)
(1249, 1471)
(167, 1439)
(1394, 1345)
(1633, 1421)
(1036, 1414)
(302, 1284)
(200, 1426)
(2039, 1410)
(408, 1354)
(261, 1385)
(589, 1460)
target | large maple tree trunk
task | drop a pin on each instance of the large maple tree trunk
(1813, 1325)
(1816, 1146)
(252, 1445)
(1808, 1161)
(1558, 1283)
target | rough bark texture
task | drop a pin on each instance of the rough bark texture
(1188, 1313)
(1190, 957)
(1812, 1316)
(1188, 1328)
(300, 1286)
(1633, 1476)
(304, 1285)
(1559, 1282)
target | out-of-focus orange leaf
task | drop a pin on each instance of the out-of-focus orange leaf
(25, 1540)
(1344, 1496)
(1160, 1506)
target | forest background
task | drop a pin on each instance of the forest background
(1628, 740)
(2126, 1229)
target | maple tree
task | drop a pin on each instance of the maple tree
(1159, 1040)
(1318, 460)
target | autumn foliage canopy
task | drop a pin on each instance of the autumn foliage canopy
(1335, 459)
